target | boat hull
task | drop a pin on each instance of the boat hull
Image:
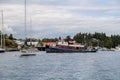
(58, 50)
(2, 51)
(27, 55)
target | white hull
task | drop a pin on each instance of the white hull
(26, 53)
(117, 48)
(2, 50)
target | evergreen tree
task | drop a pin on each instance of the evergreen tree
(67, 38)
(11, 37)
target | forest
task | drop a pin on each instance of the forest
(95, 39)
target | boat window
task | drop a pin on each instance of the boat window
(77, 47)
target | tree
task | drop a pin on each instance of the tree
(10, 43)
(11, 37)
(67, 38)
(79, 38)
(60, 38)
(49, 40)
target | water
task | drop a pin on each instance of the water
(75, 66)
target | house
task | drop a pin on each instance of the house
(49, 43)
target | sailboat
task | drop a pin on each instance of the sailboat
(25, 49)
(2, 50)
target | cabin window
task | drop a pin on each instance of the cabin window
(77, 47)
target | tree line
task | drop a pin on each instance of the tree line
(90, 39)
(9, 40)
(95, 39)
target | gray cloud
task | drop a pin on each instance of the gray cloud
(54, 18)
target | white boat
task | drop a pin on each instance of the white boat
(25, 51)
(117, 48)
(2, 50)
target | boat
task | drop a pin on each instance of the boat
(26, 50)
(2, 50)
(66, 47)
(117, 48)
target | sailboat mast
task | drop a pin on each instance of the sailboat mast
(1, 37)
(25, 21)
(3, 30)
(1, 26)
(3, 44)
(30, 31)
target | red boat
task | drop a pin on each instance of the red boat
(67, 47)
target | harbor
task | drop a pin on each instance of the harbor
(78, 43)
(59, 40)
(97, 66)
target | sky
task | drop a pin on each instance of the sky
(59, 18)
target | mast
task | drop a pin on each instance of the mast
(1, 26)
(3, 38)
(30, 31)
(25, 21)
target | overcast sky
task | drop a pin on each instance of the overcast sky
(54, 18)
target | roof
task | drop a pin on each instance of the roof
(48, 43)
(71, 40)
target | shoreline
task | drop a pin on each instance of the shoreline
(12, 49)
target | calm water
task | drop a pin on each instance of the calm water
(86, 66)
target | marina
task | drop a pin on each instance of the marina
(59, 40)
